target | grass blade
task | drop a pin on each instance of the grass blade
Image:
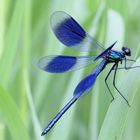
(12, 116)
(116, 117)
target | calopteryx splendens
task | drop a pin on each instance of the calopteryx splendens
(71, 34)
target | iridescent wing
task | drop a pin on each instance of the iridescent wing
(71, 34)
(85, 85)
(61, 64)
(88, 82)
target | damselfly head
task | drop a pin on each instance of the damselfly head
(126, 51)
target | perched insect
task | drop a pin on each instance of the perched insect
(71, 34)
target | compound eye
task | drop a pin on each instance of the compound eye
(127, 51)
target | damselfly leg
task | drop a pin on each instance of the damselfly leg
(114, 84)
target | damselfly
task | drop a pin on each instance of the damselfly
(71, 34)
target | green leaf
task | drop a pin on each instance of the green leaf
(11, 42)
(116, 117)
(12, 117)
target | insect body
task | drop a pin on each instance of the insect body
(71, 34)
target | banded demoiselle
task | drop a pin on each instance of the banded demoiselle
(72, 35)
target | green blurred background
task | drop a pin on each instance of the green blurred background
(29, 97)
